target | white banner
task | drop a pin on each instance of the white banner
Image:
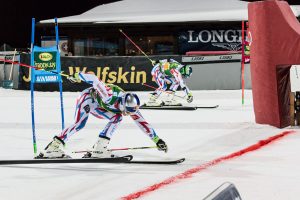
(211, 58)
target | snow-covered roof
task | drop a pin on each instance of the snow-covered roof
(155, 11)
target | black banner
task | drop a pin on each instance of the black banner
(127, 72)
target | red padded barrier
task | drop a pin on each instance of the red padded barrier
(275, 47)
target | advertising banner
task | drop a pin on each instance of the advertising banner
(47, 62)
(215, 38)
(212, 58)
(127, 72)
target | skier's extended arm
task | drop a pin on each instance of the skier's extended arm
(104, 92)
(149, 131)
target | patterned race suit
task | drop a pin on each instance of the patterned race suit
(168, 72)
(102, 101)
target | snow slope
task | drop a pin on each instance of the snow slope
(200, 136)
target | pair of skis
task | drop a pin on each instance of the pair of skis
(122, 159)
(177, 107)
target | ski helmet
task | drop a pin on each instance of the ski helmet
(186, 71)
(130, 103)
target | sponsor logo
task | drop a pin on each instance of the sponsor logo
(212, 58)
(215, 36)
(45, 56)
(199, 58)
(45, 79)
(51, 65)
(115, 75)
(87, 108)
(107, 74)
(228, 46)
(225, 57)
(227, 39)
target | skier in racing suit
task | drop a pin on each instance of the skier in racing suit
(104, 101)
(171, 72)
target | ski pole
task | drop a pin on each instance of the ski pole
(168, 92)
(136, 46)
(29, 66)
(120, 149)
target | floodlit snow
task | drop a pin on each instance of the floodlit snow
(271, 172)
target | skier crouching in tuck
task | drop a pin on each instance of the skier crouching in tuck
(104, 101)
(172, 72)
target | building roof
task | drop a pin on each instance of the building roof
(160, 11)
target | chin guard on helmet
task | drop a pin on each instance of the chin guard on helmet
(130, 103)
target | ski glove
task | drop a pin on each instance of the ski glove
(154, 62)
(189, 98)
(162, 146)
(74, 78)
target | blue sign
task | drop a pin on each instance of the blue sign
(47, 63)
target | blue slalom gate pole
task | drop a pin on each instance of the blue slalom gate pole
(32, 91)
(60, 82)
(49, 58)
(32, 120)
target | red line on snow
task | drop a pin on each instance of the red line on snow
(190, 172)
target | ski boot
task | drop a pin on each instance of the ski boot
(54, 149)
(100, 149)
(154, 101)
(170, 101)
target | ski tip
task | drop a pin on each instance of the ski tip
(163, 162)
(145, 106)
(199, 107)
(128, 157)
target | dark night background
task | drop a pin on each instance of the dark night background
(16, 16)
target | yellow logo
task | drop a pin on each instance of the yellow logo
(45, 56)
